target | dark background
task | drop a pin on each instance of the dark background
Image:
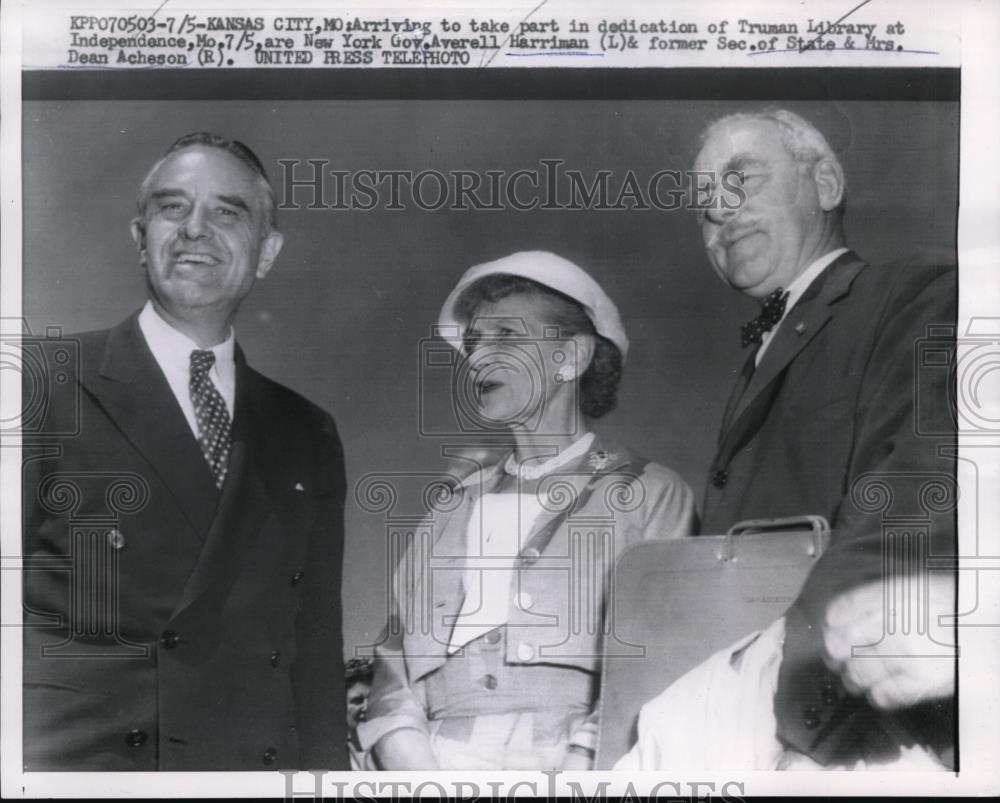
(342, 315)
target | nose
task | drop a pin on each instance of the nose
(720, 210)
(195, 226)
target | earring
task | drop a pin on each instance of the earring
(566, 374)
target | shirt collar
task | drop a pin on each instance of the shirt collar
(172, 346)
(531, 469)
(809, 275)
(485, 477)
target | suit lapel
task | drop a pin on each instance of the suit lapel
(451, 526)
(806, 319)
(234, 530)
(451, 530)
(244, 504)
(737, 393)
(133, 391)
(597, 461)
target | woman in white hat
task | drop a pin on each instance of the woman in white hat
(493, 653)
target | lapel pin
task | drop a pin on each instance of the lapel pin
(298, 486)
(599, 460)
(800, 327)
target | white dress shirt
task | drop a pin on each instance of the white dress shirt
(719, 717)
(172, 352)
(498, 529)
(795, 291)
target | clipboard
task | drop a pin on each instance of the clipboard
(677, 602)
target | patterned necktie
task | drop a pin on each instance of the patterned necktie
(772, 310)
(211, 414)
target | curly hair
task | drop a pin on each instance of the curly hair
(358, 670)
(599, 383)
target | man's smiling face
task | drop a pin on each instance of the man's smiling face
(204, 238)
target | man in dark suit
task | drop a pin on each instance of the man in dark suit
(824, 420)
(183, 514)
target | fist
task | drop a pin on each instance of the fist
(887, 642)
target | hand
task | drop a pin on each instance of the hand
(405, 749)
(898, 669)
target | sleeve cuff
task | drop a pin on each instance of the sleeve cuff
(371, 731)
(585, 737)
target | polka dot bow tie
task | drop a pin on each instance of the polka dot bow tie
(771, 312)
(214, 432)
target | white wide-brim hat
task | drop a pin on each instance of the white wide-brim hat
(552, 271)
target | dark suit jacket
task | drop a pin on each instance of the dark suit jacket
(845, 418)
(169, 625)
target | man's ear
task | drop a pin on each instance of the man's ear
(829, 179)
(269, 249)
(138, 229)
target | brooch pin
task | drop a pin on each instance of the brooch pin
(598, 461)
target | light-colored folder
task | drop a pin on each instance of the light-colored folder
(674, 603)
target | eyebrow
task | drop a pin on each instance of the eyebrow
(166, 193)
(171, 192)
(739, 161)
(234, 200)
(499, 325)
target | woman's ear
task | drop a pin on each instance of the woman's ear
(582, 352)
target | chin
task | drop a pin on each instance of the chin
(752, 281)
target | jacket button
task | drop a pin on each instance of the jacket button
(719, 478)
(270, 756)
(275, 657)
(115, 539)
(136, 738)
(830, 695)
(530, 556)
(525, 652)
(493, 637)
(810, 717)
(489, 682)
(525, 601)
(169, 639)
(296, 578)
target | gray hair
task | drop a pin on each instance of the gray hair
(231, 146)
(800, 137)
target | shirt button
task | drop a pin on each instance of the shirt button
(270, 756)
(525, 601)
(296, 578)
(169, 639)
(830, 695)
(493, 637)
(136, 738)
(115, 539)
(719, 478)
(275, 657)
(810, 717)
(525, 652)
(530, 555)
(489, 682)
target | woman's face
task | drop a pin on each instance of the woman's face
(514, 355)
